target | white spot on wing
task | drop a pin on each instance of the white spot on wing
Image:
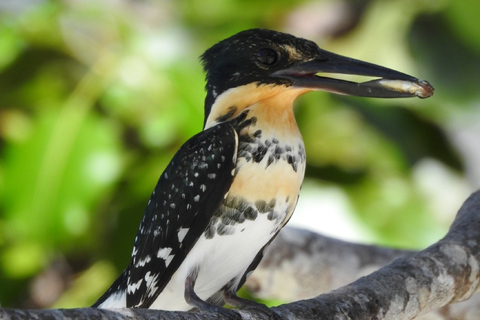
(134, 287)
(181, 233)
(163, 253)
(169, 259)
(151, 281)
(143, 262)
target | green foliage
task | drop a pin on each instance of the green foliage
(96, 97)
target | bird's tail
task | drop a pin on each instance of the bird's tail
(116, 295)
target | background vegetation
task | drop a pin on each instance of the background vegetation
(96, 96)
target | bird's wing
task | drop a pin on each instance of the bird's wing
(187, 194)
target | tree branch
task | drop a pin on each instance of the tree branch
(301, 264)
(414, 284)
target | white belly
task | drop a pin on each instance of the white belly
(219, 260)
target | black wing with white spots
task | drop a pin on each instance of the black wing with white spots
(187, 194)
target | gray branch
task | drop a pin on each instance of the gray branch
(412, 285)
(301, 264)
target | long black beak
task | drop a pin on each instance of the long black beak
(391, 83)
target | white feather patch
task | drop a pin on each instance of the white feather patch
(163, 253)
(181, 233)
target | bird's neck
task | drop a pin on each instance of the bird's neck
(271, 104)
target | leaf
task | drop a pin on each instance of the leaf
(54, 179)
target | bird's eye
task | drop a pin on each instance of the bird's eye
(266, 56)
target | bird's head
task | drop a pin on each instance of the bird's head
(258, 63)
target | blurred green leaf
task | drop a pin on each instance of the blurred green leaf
(10, 45)
(462, 17)
(91, 283)
(22, 259)
(54, 200)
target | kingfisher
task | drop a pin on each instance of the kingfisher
(231, 188)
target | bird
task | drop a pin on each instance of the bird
(232, 187)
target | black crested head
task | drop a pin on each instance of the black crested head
(252, 56)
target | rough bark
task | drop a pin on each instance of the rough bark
(300, 265)
(412, 285)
